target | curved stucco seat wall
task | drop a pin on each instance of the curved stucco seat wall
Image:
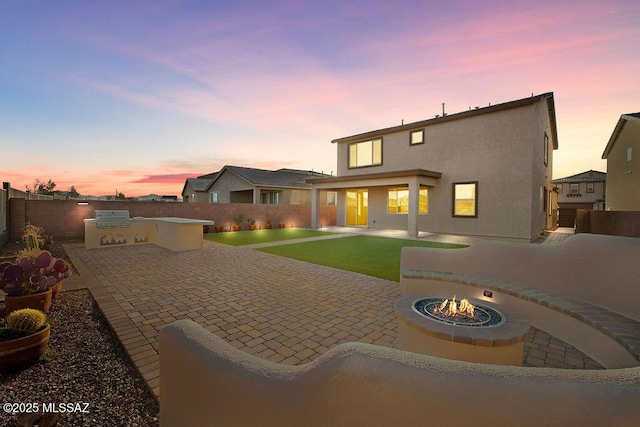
(206, 381)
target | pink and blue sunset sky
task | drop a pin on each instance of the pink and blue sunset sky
(136, 96)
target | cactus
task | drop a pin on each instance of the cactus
(31, 276)
(32, 242)
(26, 321)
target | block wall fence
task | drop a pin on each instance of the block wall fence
(64, 218)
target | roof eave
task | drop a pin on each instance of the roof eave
(470, 113)
(617, 130)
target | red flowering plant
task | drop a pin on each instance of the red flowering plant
(31, 276)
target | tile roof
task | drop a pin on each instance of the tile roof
(278, 178)
(199, 184)
(588, 176)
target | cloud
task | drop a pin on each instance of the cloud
(172, 178)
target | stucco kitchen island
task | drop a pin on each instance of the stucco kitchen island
(179, 234)
(115, 228)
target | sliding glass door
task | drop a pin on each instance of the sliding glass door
(357, 207)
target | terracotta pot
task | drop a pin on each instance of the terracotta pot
(252, 227)
(55, 291)
(41, 301)
(267, 226)
(25, 351)
(235, 227)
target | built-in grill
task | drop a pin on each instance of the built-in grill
(112, 219)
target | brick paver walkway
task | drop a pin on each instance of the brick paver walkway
(276, 308)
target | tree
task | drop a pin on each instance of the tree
(41, 187)
(120, 196)
(73, 192)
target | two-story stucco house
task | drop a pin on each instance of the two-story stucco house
(482, 172)
(585, 190)
(623, 165)
(235, 184)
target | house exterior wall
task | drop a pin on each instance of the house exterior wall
(501, 150)
(623, 188)
(565, 199)
(229, 182)
(199, 196)
(233, 189)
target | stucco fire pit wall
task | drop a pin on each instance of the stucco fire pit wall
(498, 344)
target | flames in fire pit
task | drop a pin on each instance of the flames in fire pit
(452, 309)
(461, 314)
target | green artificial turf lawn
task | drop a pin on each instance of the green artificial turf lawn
(240, 238)
(374, 256)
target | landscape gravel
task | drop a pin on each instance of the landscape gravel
(84, 364)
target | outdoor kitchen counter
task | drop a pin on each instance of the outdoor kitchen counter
(177, 234)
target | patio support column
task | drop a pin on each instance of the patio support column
(414, 198)
(256, 195)
(315, 207)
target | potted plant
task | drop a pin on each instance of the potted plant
(252, 223)
(237, 220)
(27, 283)
(23, 339)
(267, 224)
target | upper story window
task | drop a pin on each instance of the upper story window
(465, 199)
(574, 188)
(629, 157)
(193, 197)
(215, 197)
(546, 149)
(416, 137)
(367, 153)
(590, 187)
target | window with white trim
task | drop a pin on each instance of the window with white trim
(215, 197)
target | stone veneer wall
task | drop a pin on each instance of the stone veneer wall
(64, 218)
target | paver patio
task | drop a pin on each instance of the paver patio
(276, 308)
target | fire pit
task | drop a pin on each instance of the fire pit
(462, 314)
(469, 330)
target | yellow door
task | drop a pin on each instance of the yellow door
(357, 207)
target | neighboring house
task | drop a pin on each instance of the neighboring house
(483, 172)
(623, 165)
(157, 198)
(234, 184)
(585, 190)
